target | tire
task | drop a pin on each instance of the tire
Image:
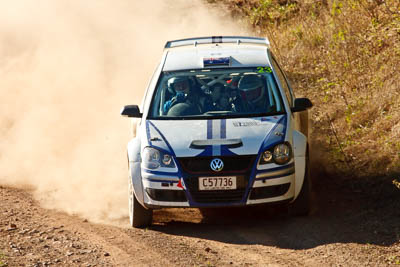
(302, 205)
(139, 216)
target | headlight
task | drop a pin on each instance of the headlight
(153, 158)
(279, 154)
(282, 154)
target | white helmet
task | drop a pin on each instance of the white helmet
(175, 80)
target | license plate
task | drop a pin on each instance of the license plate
(217, 183)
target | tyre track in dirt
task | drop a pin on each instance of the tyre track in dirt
(339, 233)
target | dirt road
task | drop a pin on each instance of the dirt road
(356, 227)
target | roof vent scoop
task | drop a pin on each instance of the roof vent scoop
(216, 39)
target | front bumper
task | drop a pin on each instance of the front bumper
(255, 185)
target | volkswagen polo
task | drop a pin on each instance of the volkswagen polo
(219, 126)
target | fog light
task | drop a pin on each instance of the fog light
(267, 156)
(167, 159)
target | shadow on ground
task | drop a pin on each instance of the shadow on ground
(363, 211)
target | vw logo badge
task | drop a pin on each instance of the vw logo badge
(217, 165)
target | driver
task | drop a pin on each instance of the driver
(179, 87)
(252, 92)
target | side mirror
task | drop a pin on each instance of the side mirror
(301, 104)
(131, 111)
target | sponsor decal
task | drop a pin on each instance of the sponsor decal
(246, 123)
(181, 184)
(270, 119)
(264, 69)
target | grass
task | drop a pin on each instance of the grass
(393, 260)
(3, 262)
(344, 56)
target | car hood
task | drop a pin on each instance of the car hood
(216, 137)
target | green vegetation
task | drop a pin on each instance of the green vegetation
(3, 262)
(393, 260)
(344, 56)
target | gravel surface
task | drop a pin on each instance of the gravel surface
(349, 227)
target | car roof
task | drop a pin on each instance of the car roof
(190, 53)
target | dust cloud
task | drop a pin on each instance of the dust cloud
(66, 69)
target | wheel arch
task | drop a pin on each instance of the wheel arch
(134, 161)
(300, 147)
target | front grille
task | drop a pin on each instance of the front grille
(232, 164)
(220, 196)
(269, 191)
(217, 196)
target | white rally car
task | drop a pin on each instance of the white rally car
(219, 126)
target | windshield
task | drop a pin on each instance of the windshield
(216, 92)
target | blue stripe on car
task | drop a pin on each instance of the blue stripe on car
(275, 139)
(148, 132)
(162, 173)
(223, 129)
(216, 129)
(171, 151)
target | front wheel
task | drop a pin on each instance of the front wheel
(139, 216)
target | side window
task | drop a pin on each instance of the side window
(147, 94)
(283, 81)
